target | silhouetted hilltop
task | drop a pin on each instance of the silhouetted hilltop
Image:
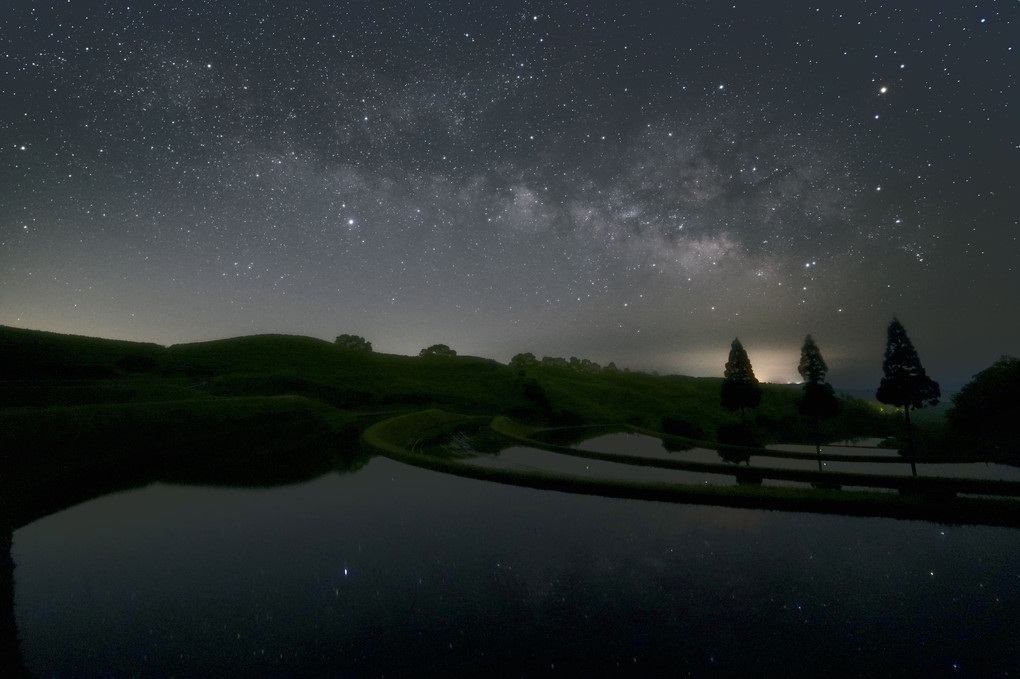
(43, 368)
(26, 354)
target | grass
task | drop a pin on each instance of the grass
(35, 354)
(403, 434)
(63, 369)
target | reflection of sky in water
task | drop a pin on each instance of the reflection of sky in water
(638, 445)
(632, 444)
(400, 571)
(532, 459)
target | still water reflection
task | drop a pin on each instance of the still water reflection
(537, 460)
(400, 571)
(638, 445)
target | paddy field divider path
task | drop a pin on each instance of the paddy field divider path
(408, 438)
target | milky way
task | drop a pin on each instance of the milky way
(630, 182)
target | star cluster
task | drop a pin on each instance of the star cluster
(629, 182)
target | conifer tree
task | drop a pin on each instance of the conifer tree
(905, 384)
(740, 388)
(812, 366)
(819, 399)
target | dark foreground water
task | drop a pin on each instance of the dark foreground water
(398, 571)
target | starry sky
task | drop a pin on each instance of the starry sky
(636, 182)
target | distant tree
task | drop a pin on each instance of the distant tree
(986, 412)
(353, 342)
(584, 365)
(554, 361)
(438, 350)
(611, 368)
(819, 399)
(525, 360)
(740, 388)
(905, 384)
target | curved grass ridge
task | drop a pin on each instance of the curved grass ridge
(400, 437)
(929, 486)
(526, 434)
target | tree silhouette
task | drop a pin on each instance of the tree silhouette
(819, 399)
(523, 360)
(812, 366)
(584, 365)
(353, 342)
(740, 388)
(905, 384)
(986, 412)
(440, 350)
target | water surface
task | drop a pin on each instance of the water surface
(638, 445)
(400, 571)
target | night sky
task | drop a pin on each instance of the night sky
(637, 182)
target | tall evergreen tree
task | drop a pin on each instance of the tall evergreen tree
(812, 366)
(819, 398)
(740, 388)
(905, 384)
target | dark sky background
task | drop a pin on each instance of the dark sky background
(637, 182)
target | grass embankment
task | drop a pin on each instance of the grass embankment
(928, 486)
(400, 437)
(404, 434)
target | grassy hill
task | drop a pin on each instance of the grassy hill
(40, 369)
